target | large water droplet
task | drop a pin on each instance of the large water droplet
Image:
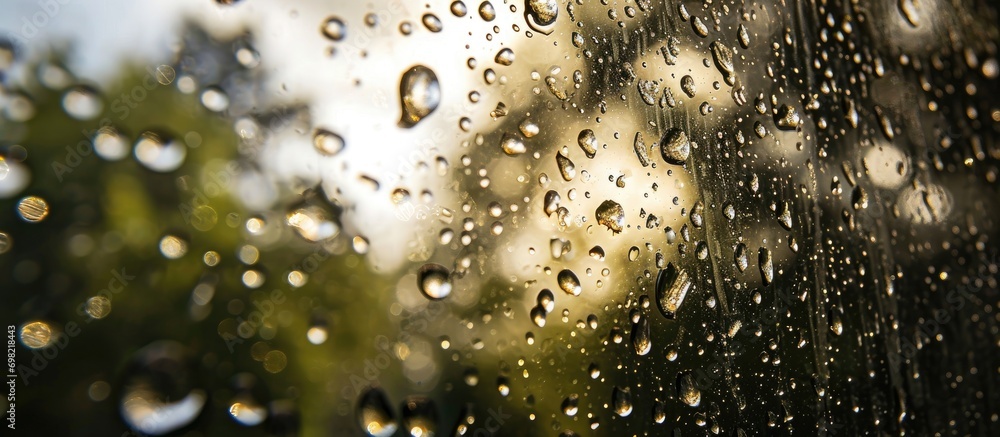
(566, 167)
(159, 394)
(433, 281)
(672, 285)
(588, 142)
(641, 339)
(159, 152)
(420, 417)
(675, 148)
(687, 391)
(621, 401)
(541, 15)
(641, 151)
(419, 94)
(569, 283)
(612, 215)
(374, 413)
(766, 265)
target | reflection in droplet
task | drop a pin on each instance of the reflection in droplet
(419, 94)
(5, 242)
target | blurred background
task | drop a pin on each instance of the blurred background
(549, 217)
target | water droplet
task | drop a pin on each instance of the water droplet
(743, 36)
(334, 29)
(432, 22)
(173, 247)
(766, 265)
(659, 412)
(505, 56)
(723, 61)
(569, 283)
(588, 142)
(641, 339)
(675, 146)
(787, 118)
(621, 401)
(551, 202)
(159, 397)
(214, 99)
(5, 243)
(458, 8)
(566, 167)
(159, 152)
(859, 198)
(697, 214)
(687, 85)
(546, 300)
(648, 90)
(82, 102)
(785, 216)
(911, 11)
(419, 417)
(641, 151)
(541, 15)
(570, 404)
(672, 285)
(374, 413)
(740, 256)
(611, 215)
(687, 391)
(486, 11)
(434, 281)
(98, 307)
(328, 143)
(32, 209)
(512, 145)
(110, 144)
(699, 27)
(419, 93)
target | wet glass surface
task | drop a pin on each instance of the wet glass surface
(582, 217)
